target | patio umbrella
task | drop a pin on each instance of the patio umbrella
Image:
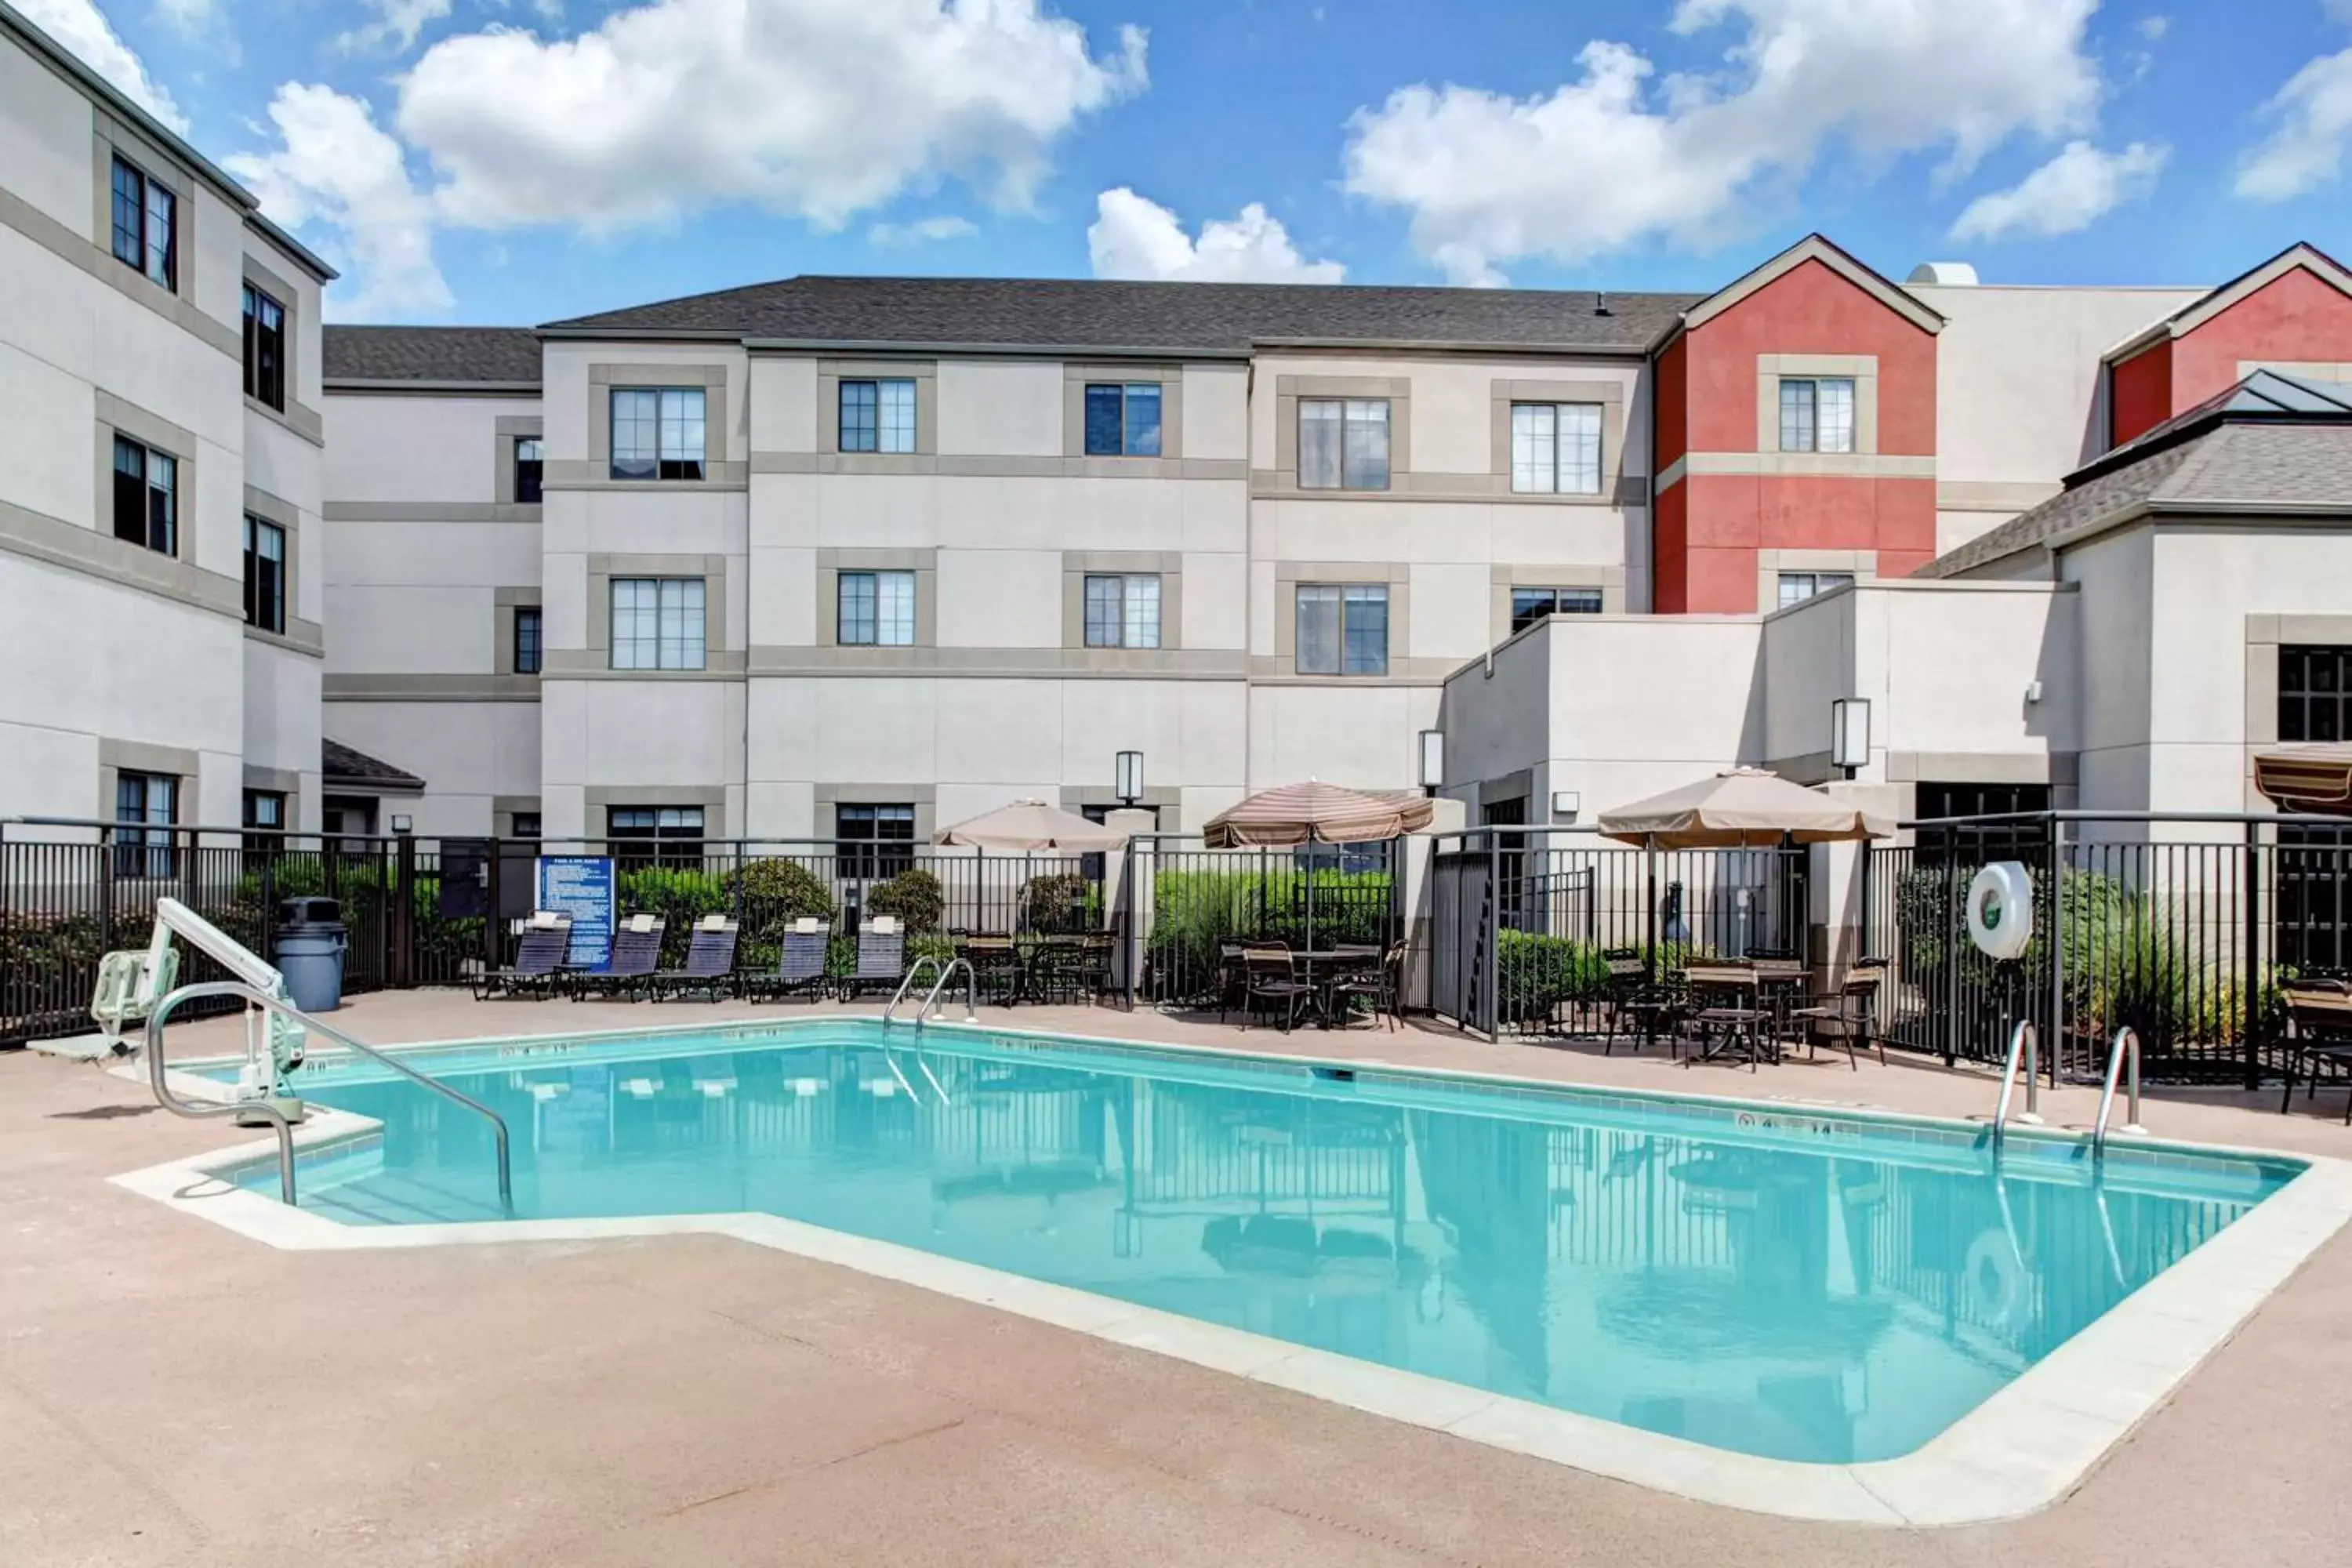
(1744, 808)
(1031, 824)
(2308, 778)
(1318, 812)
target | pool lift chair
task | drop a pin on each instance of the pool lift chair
(133, 983)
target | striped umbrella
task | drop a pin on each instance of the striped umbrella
(1318, 812)
(2308, 778)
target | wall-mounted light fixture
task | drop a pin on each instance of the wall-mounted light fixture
(404, 825)
(1565, 805)
(1433, 760)
(1129, 773)
(1849, 734)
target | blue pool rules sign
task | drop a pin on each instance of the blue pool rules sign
(580, 886)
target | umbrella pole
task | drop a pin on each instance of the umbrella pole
(1310, 905)
(1650, 875)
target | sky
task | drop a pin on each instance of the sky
(521, 161)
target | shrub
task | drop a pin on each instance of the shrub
(1061, 902)
(679, 895)
(915, 896)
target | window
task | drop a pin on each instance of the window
(1529, 606)
(876, 609)
(264, 574)
(656, 433)
(146, 497)
(264, 808)
(1343, 630)
(145, 806)
(1123, 420)
(1556, 448)
(2315, 693)
(265, 349)
(525, 639)
(1993, 841)
(875, 840)
(349, 821)
(1123, 611)
(877, 416)
(1343, 443)
(652, 835)
(529, 471)
(1817, 414)
(2312, 925)
(657, 622)
(526, 825)
(146, 225)
(1796, 587)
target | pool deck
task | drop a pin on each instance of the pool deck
(177, 1394)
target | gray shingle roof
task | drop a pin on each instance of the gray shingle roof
(345, 765)
(1208, 317)
(2242, 463)
(501, 354)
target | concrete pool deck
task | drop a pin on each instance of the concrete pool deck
(687, 1399)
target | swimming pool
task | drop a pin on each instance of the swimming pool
(1815, 1285)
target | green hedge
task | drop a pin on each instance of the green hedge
(1194, 911)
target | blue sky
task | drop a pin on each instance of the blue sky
(524, 160)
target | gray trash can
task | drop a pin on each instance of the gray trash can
(311, 941)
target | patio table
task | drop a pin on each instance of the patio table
(1337, 964)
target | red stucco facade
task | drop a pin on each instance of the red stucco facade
(1725, 505)
(2297, 317)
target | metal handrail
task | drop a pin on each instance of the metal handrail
(906, 980)
(165, 1009)
(2022, 1046)
(971, 992)
(2124, 1036)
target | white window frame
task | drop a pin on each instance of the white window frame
(1794, 588)
(1306, 656)
(660, 623)
(1132, 611)
(1818, 413)
(1351, 418)
(679, 429)
(1549, 458)
(887, 599)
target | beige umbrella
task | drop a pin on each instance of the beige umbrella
(1746, 808)
(1316, 811)
(2308, 778)
(1034, 824)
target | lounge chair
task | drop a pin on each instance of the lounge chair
(629, 970)
(540, 950)
(709, 966)
(800, 962)
(881, 956)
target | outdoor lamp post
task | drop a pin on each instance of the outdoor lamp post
(1433, 760)
(1849, 734)
(1129, 772)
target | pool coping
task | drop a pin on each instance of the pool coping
(2031, 1443)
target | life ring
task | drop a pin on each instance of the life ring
(2000, 910)
(1993, 1284)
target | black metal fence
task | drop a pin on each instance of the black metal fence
(2180, 927)
(1203, 900)
(1521, 919)
(427, 911)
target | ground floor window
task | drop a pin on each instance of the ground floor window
(264, 808)
(2313, 918)
(526, 825)
(875, 840)
(146, 808)
(1993, 841)
(1529, 606)
(349, 821)
(1796, 587)
(654, 834)
(2314, 693)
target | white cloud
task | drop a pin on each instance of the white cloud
(1134, 237)
(188, 16)
(78, 26)
(1609, 159)
(2313, 116)
(922, 231)
(2071, 192)
(396, 25)
(2154, 27)
(336, 165)
(820, 108)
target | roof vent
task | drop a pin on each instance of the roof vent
(1947, 274)
(1600, 304)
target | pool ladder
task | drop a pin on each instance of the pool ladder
(2023, 1051)
(2126, 1044)
(944, 974)
(279, 1119)
(2123, 1068)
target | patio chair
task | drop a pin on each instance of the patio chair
(1849, 1011)
(1637, 1001)
(709, 966)
(538, 963)
(881, 956)
(800, 962)
(1233, 980)
(995, 961)
(629, 970)
(1780, 977)
(2318, 1027)
(1090, 969)
(1382, 985)
(1723, 997)
(1269, 983)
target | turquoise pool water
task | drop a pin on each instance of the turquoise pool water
(1773, 1279)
